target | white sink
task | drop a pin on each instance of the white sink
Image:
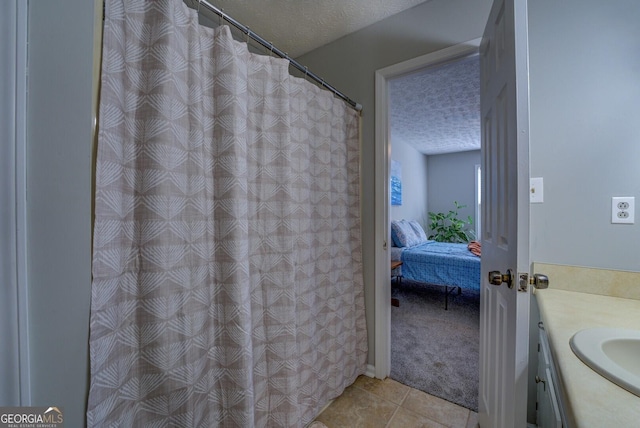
(613, 353)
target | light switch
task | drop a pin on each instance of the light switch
(537, 190)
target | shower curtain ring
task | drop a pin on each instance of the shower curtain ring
(306, 72)
(271, 48)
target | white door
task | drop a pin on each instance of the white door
(504, 311)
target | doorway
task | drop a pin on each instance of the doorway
(383, 161)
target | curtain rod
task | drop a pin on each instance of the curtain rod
(268, 45)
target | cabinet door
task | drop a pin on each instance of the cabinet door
(548, 411)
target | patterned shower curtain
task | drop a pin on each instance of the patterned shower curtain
(227, 277)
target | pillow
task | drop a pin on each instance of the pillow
(419, 231)
(403, 234)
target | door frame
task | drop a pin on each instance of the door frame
(13, 196)
(382, 347)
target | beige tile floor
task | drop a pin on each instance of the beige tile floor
(370, 403)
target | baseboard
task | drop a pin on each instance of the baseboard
(371, 371)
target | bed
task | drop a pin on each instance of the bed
(449, 265)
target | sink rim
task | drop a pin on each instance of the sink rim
(587, 345)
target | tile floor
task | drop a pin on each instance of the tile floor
(386, 403)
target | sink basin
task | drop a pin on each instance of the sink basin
(613, 353)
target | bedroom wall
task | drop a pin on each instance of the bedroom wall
(59, 144)
(350, 64)
(451, 177)
(585, 132)
(414, 183)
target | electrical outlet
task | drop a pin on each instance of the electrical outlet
(623, 209)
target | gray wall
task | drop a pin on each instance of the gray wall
(585, 134)
(452, 178)
(585, 131)
(59, 141)
(414, 183)
(350, 64)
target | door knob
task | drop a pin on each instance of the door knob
(497, 278)
(539, 281)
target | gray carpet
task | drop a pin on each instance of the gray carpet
(434, 350)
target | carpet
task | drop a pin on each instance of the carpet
(434, 350)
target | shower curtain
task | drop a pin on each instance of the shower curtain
(227, 278)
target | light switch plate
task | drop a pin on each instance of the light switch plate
(537, 190)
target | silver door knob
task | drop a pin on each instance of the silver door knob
(539, 281)
(497, 278)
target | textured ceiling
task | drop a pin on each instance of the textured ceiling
(300, 26)
(437, 110)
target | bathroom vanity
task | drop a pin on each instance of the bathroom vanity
(578, 299)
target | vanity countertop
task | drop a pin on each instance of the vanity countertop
(592, 400)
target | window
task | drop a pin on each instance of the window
(478, 201)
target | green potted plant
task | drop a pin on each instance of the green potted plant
(449, 228)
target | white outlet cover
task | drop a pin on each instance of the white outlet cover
(623, 215)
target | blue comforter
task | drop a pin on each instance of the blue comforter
(443, 264)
